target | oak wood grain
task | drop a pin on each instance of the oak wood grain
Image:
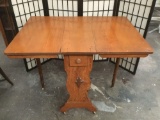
(108, 36)
(39, 36)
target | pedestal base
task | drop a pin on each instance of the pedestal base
(78, 70)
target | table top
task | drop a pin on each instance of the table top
(49, 36)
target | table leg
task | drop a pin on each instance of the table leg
(5, 76)
(115, 72)
(40, 72)
(78, 70)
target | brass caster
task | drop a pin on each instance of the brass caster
(42, 88)
(94, 112)
(64, 113)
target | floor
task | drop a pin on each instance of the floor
(156, 19)
(134, 97)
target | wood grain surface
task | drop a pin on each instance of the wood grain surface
(108, 36)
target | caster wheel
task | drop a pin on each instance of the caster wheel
(94, 112)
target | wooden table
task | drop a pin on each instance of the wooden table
(78, 39)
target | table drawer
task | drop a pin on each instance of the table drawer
(78, 60)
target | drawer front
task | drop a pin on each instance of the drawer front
(78, 60)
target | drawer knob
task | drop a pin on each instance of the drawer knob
(78, 61)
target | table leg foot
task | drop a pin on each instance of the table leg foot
(88, 105)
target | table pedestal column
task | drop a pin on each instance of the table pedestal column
(78, 70)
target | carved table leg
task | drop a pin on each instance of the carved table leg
(78, 70)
